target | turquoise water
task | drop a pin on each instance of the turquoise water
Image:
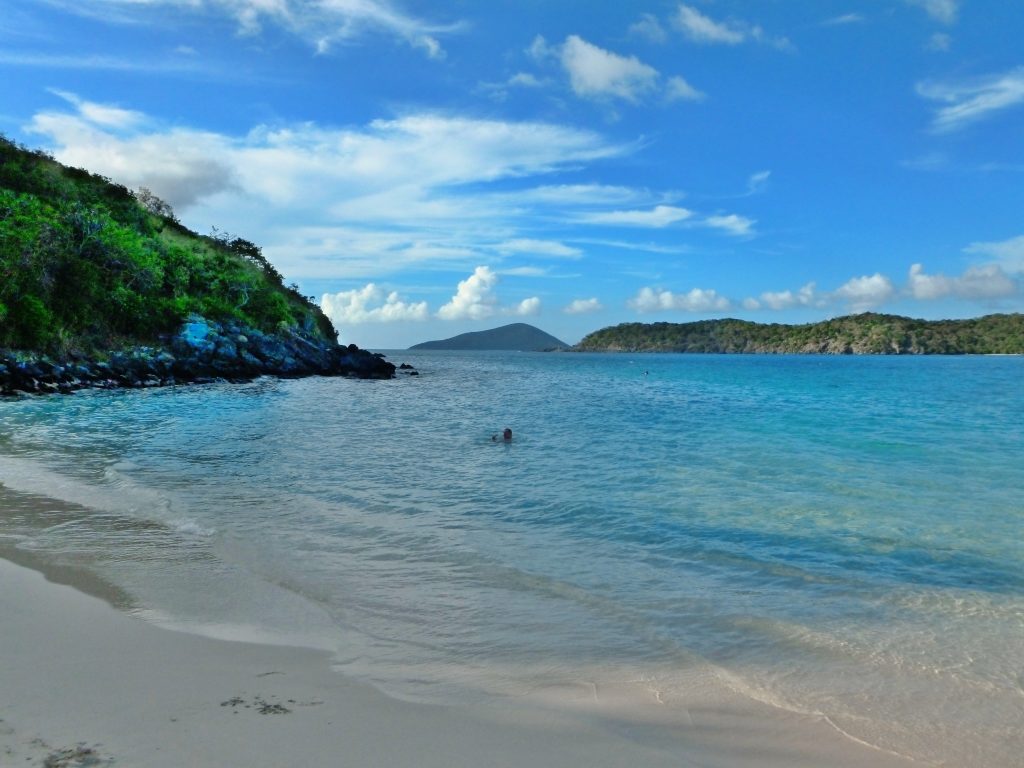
(839, 536)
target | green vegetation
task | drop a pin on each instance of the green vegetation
(87, 265)
(868, 333)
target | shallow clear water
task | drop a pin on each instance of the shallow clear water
(842, 536)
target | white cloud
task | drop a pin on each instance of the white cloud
(1008, 254)
(320, 23)
(348, 202)
(732, 224)
(474, 298)
(657, 217)
(943, 11)
(595, 73)
(527, 307)
(677, 89)
(757, 182)
(540, 50)
(648, 28)
(986, 281)
(939, 42)
(583, 306)
(866, 292)
(370, 305)
(524, 80)
(703, 29)
(544, 248)
(102, 115)
(844, 19)
(974, 100)
(779, 300)
(696, 300)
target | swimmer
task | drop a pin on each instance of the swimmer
(506, 436)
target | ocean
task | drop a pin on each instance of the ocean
(837, 536)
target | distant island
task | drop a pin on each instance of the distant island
(101, 286)
(869, 333)
(519, 337)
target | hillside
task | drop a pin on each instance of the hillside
(519, 337)
(89, 269)
(868, 333)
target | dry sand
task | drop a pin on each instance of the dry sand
(84, 684)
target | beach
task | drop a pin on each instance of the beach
(86, 685)
(750, 561)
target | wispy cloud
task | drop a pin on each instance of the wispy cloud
(601, 75)
(973, 100)
(98, 62)
(1008, 254)
(322, 24)
(659, 216)
(943, 11)
(648, 28)
(733, 224)
(843, 20)
(541, 248)
(699, 28)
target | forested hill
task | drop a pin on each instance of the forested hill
(517, 337)
(869, 333)
(89, 268)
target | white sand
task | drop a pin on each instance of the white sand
(81, 682)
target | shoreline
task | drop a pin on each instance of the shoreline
(83, 681)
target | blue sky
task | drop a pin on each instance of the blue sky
(429, 168)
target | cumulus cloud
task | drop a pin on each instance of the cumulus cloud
(779, 300)
(583, 306)
(987, 281)
(370, 305)
(696, 300)
(179, 166)
(866, 292)
(527, 307)
(657, 217)
(944, 11)
(474, 298)
(699, 28)
(595, 73)
(1008, 254)
(973, 100)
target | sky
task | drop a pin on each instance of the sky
(423, 169)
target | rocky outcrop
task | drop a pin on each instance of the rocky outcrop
(201, 351)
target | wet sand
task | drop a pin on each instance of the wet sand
(82, 683)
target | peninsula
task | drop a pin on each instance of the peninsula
(865, 334)
(519, 337)
(104, 287)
